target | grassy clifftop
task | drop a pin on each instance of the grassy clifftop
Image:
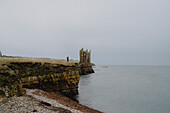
(7, 60)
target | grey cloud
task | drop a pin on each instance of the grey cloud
(132, 32)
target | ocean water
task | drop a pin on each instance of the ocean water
(126, 89)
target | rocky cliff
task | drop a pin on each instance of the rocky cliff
(85, 68)
(15, 76)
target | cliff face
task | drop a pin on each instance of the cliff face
(85, 68)
(16, 76)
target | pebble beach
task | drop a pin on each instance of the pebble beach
(38, 101)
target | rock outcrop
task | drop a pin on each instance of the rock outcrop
(85, 69)
(62, 77)
(16, 76)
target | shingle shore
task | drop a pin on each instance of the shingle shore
(27, 104)
(38, 101)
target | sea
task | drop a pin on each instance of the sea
(126, 89)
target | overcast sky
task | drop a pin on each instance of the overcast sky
(119, 32)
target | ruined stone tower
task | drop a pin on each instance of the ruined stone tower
(85, 56)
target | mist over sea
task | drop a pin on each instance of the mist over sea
(127, 89)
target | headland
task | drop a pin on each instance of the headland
(47, 78)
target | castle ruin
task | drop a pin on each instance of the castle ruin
(85, 56)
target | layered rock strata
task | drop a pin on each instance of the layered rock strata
(16, 76)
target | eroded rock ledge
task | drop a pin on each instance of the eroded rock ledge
(85, 68)
(15, 76)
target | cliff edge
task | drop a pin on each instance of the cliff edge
(16, 74)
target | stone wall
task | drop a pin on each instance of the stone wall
(16, 76)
